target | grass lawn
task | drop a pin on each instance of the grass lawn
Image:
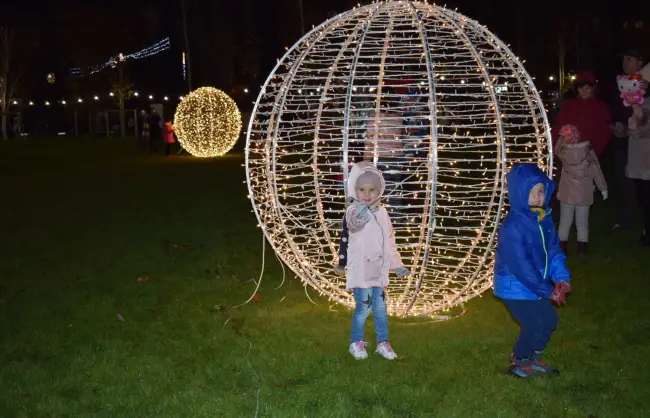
(82, 219)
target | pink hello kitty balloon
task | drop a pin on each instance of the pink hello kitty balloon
(631, 88)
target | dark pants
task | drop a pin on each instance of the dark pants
(168, 148)
(555, 203)
(154, 141)
(643, 195)
(623, 188)
(537, 319)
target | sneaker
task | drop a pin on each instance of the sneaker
(521, 367)
(358, 350)
(386, 351)
(541, 367)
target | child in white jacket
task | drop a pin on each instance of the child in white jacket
(371, 254)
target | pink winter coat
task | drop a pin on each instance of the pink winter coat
(168, 133)
(580, 169)
(372, 251)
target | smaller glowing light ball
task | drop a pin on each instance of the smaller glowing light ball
(207, 122)
(51, 78)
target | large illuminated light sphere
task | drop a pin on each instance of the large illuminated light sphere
(207, 122)
(438, 102)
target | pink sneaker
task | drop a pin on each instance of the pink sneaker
(358, 350)
(386, 351)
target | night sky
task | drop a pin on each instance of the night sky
(236, 43)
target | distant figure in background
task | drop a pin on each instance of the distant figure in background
(144, 135)
(580, 170)
(624, 190)
(155, 130)
(17, 128)
(638, 159)
(384, 139)
(589, 115)
(168, 137)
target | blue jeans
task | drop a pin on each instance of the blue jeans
(373, 299)
(537, 319)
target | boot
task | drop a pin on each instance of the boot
(563, 246)
(521, 367)
(583, 248)
(539, 366)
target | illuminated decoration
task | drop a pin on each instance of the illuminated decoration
(51, 78)
(353, 79)
(207, 122)
(184, 68)
(149, 51)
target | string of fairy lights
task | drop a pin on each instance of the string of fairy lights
(438, 102)
(93, 98)
(157, 48)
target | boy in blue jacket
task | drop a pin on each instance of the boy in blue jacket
(530, 270)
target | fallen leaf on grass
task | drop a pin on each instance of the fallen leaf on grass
(120, 317)
(594, 347)
(143, 279)
(257, 297)
(207, 271)
(399, 358)
(27, 395)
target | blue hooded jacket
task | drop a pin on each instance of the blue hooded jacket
(528, 257)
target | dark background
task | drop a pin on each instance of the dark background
(235, 44)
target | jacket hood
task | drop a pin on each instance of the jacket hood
(520, 181)
(575, 153)
(357, 170)
(587, 77)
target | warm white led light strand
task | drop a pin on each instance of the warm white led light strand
(463, 110)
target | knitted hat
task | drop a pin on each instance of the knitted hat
(368, 177)
(569, 134)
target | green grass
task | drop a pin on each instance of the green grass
(82, 220)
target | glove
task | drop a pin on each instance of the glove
(362, 212)
(605, 194)
(559, 293)
(564, 287)
(402, 272)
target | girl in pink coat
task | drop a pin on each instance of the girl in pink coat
(371, 254)
(168, 136)
(580, 170)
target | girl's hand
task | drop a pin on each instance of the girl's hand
(402, 272)
(362, 212)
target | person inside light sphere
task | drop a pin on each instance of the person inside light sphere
(528, 261)
(384, 140)
(371, 253)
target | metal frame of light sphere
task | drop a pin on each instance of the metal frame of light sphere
(474, 110)
(207, 122)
